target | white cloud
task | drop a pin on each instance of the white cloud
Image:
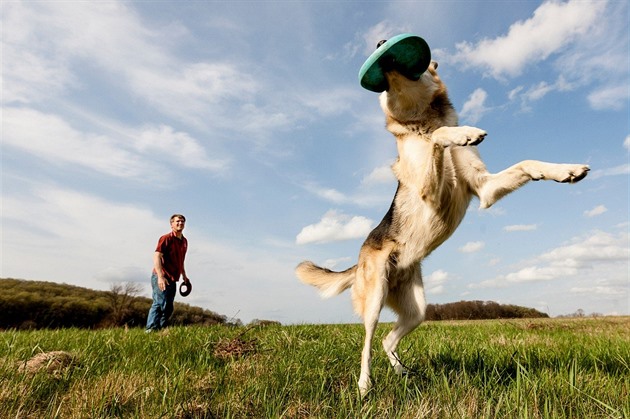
(538, 91)
(333, 101)
(597, 246)
(494, 261)
(434, 283)
(107, 240)
(367, 195)
(623, 169)
(611, 97)
(584, 52)
(333, 263)
(595, 255)
(328, 194)
(626, 143)
(474, 108)
(51, 42)
(600, 290)
(54, 140)
(438, 277)
(472, 247)
(552, 27)
(194, 92)
(521, 227)
(495, 211)
(598, 210)
(127, 153)
(379, 175)
(177, 146)
(382, 30)
(335, 226)
(536, 273)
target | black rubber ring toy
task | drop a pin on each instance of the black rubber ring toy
(185, 289)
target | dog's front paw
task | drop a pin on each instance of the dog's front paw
(459, 136)
(471, 136)
(572, 173)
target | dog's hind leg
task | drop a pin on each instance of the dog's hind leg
(408, 301)
(492, 187)
(369, 294)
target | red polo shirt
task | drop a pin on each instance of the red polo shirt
(173, 252)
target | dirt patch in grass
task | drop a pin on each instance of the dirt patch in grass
(238, 347)
(54, 362)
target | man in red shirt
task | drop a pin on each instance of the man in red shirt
(168, 266)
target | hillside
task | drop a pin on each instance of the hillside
(38, 304)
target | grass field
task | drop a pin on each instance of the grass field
(560, 368)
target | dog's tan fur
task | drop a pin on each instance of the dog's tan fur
(439, 171)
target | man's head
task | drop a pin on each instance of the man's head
(178, 222)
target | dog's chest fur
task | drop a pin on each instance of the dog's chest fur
(431, 199)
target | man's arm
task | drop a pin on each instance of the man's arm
(159, 270)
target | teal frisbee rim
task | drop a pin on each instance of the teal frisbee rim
(410, 53)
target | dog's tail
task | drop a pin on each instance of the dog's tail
(328, 282)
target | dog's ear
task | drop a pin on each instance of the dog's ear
(381, 42)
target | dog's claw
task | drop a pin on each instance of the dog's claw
(478, 140)
(575, 177)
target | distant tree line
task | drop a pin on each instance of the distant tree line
(479, 310)
(38, 305)
(581, 313)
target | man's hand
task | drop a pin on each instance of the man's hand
(162, 282)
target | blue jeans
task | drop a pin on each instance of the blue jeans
(162, 306)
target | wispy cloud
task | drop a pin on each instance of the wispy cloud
(538, 91)
(327, 194)
(472, 247)
(380, 175)
(595, 255)
(129, 153)
(623, 169)
(611, 97)
(475, 107)
(84, 225)
(367, 194)
(520, 227)
(598, 210)
(45, 56)
(333, 263)
(382, 30)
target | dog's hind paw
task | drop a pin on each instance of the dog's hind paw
(365, 384)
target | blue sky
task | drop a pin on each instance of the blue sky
(248, 118)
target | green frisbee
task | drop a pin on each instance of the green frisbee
(406, 53)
